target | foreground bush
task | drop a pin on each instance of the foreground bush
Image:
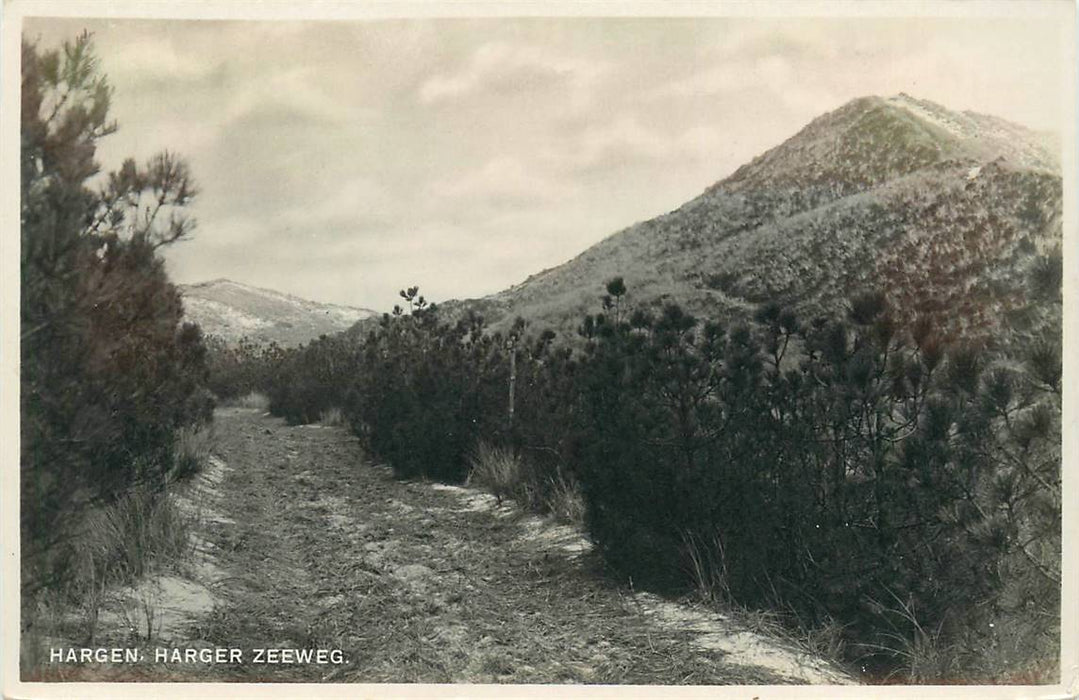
(109, 373)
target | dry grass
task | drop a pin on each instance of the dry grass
(708, 568)
(826, 639)
(192, 451)
(117, 544)
(506, 474)
(1006, 647)
(566, 502)
(120, 542)
(333, 418)
(1014, 649)
(498, 469)
(488, 605)
(920, 654)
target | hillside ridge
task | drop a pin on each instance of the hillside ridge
(232, 311)
(892, 192)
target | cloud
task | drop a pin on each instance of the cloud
(149, 61)
(501, 182)
(336, 158)
(299, 91)
(626, 141)
(357, 204)
(505, 69)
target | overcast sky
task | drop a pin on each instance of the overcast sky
(341, 161)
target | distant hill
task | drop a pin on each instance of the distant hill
(231, 310)
(946, 212)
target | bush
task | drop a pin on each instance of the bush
(423, 391)
(896, 495)
(311, 379)
(869, 468)
(241, 369)
(109, 372)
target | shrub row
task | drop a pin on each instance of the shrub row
(843, 468)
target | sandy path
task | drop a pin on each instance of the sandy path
(303, 544)
(416, 582)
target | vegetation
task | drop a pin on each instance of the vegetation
(888, 478)
(111, 377)
(892, 493)
(237, 370)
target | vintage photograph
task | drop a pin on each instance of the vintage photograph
(514, 345)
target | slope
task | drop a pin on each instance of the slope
(231, 311)
(946, 212)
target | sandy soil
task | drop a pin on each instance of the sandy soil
(304, 544)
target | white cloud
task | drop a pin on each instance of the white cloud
(506, 68)
(625, 141)
(147, 59)
(625, 137)
(301, 91)
(360, 201)
(502, 180)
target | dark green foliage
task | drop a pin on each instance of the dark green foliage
(842, 469)
(867, 478)
(305, 382)
(108, 372)
(417, 391)
(451, 387)
(238, 370)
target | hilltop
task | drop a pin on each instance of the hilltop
(231, 311)
(945, 211)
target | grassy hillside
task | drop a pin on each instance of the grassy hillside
(231, 311)
(944, 211)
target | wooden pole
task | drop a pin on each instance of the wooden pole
(513, 378)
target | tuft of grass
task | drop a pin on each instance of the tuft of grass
(121, 541)
(827, 639)
(191, 453)
(920, 655)
(333, 418)
(707, 568)
(566, 502)
(507, 474)
(707, 563)
(117, 543)
(497, 469)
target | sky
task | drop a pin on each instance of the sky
(341, 161)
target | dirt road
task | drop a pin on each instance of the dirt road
(305, 545)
